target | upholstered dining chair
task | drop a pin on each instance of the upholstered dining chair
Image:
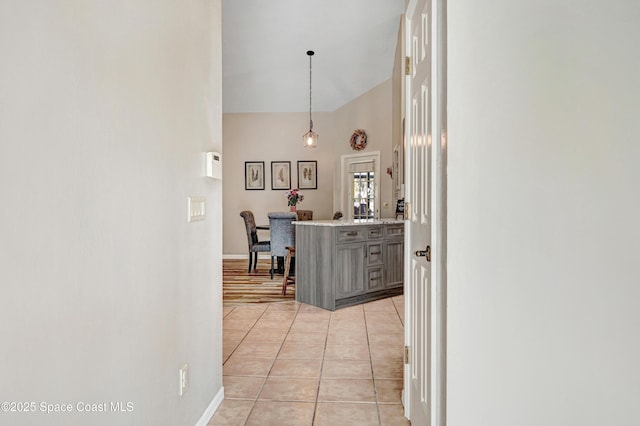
(282, 232)
(255, 246)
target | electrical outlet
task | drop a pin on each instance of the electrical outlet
(183, 379)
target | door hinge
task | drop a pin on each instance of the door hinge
(407, 210)
(407, 353)
(407, 65)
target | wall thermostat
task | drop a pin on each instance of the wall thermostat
(214, 165)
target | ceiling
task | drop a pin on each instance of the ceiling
(265, 67)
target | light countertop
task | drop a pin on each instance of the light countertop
(352, 222)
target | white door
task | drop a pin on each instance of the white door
(424, 291)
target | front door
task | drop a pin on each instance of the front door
(424, 294)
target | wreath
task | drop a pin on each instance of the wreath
(358, 140)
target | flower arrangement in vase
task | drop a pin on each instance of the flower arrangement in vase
(293, 197)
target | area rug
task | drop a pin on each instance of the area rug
(239, 286)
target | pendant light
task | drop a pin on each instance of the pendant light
(310, 139)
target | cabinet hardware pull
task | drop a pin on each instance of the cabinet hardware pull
(352, 233)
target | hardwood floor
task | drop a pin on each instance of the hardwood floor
(239, 286)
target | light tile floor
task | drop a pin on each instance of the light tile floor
(288, 363)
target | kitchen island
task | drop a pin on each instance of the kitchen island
(342, 263)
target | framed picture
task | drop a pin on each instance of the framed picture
(253, 175)
(308, 174)
(281, 175)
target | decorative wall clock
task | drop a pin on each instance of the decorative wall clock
(358, 140)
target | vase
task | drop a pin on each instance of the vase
(292, 208)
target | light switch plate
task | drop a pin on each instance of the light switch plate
(197, 209)
(183, 379)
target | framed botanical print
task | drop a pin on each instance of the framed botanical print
(308, 174)
(281, 175)
(253, 175)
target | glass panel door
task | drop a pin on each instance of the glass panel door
(363, 195)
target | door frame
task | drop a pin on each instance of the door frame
(345, 190)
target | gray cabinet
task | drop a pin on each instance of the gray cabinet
(375, 265)
(349, 269)
(393, 256)
(339, 266)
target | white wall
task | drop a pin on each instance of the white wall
(371, 112)
(397, 88)
(278, 137)
(105, 110)
(543, 213)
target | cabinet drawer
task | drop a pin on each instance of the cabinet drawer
(374, 253)
(351, 234)
(394, 230)
(374, 232)
(375, 279)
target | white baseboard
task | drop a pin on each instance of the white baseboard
(245, 256)
(211, 409)
(235, 256)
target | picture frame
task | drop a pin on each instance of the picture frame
(307, 174)
(253, 175)
(281, 175)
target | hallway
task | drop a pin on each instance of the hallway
(289, 363)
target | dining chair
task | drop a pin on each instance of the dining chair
(304, 214)
(282, 232)
(255, 246)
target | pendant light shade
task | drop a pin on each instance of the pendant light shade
(310, 139)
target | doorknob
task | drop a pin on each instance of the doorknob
(424, 253)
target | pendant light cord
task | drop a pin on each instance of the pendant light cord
(310, 53)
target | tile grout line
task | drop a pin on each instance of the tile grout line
(232, 352)
(324, 351)
(373, 377)
(274, 359)
(243, 337)
(398, 312)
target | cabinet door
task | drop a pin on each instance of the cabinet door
(350, 269)
(393, 263)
